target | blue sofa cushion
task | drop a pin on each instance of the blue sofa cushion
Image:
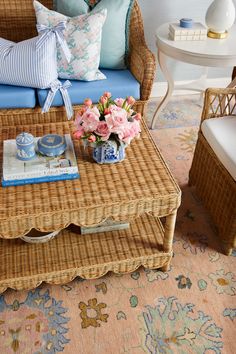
(120, 83)
(17, 97)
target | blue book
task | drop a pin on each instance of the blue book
(22, 182)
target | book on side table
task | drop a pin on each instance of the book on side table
(198, 32)
(39, 169)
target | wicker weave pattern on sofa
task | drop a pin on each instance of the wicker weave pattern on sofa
(213, 182)
(17, 22)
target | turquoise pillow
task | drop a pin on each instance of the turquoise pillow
(69, 7)
(115, 32)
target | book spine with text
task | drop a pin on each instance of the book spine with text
(41, 174)
(6, 183)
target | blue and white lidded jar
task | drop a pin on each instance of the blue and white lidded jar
(25, 146)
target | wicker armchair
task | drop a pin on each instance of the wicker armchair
(214, 184)
(17, 22)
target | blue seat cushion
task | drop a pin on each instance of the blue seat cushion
(120, 83)
(17, 97)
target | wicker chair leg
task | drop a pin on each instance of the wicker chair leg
(227, 247)
(227, 251)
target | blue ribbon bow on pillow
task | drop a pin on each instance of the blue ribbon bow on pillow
(44, 32)
(55, 86)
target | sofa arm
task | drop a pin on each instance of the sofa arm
(143, 66)
(219, 102)
(141, 60)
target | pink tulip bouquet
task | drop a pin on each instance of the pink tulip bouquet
(109, 119)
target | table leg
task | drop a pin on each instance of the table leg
(203, 83)
(168, 236)
(162, 62)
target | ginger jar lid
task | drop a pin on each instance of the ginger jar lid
(52, 145)
(24, 139)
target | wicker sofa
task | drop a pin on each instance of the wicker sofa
(17, 22)
(214, 184)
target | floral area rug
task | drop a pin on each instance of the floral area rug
(189, 309)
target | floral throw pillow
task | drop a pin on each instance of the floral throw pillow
(83, 35)
(115, 32)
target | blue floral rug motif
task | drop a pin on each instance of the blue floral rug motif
(35, 325)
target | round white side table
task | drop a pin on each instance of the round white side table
(206, 53)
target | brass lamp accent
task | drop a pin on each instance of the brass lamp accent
(216, 35)
(219, 18)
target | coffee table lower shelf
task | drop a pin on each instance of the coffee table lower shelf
(26, 266)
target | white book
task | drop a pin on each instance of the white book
(195, 37)
(197, 29)
(40, 166)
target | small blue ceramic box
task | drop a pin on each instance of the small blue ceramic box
(25, 148)
(186, 23)
(52, 145)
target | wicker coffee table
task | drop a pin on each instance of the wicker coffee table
(140, 189)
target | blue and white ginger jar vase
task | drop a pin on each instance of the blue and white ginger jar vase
(109, 152)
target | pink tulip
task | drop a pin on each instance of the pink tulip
(119, 102)
(78, 134)
(88, 102)
(103, 100)
(92, 138)
(130, 100)
(106, 111)
(107, 94)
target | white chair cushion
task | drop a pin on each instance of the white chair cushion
(221, 136)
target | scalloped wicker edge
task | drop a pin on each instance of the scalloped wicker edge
(63, 277)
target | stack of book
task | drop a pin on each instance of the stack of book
(39, 169)
(198, 32)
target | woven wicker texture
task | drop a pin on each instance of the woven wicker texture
(17, 19)
(213, 182)
(140, 184)
(25, 266)
(29, 116)
(17, 22)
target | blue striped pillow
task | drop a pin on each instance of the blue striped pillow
(23, 64)
(33, 63)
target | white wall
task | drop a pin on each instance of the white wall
(157, 12)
